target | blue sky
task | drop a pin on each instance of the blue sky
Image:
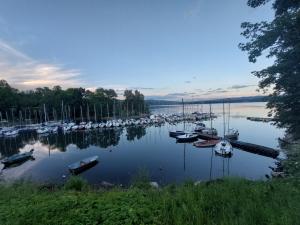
(167, 49)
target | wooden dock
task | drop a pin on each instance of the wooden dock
(248, 147)
(254, 148)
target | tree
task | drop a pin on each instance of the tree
(280, 38)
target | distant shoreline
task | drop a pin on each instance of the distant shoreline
(212, 101)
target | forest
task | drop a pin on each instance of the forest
(45, 104)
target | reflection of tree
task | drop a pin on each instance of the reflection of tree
(82, 139)
(11, 145)
(135, 132)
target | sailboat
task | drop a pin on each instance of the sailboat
(178, 133)
(223, 148)
(207, 143)
(231, 133)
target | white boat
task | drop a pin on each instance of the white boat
(11, 133)
(223, 148)
(75, 127)
(81, 126)
(54, 129)
(187, 137)
(210, 131)
(232, 134)
(43, 130)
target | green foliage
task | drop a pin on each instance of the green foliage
(76, 183)
(66, 104)
(229, 202)
(280, 38)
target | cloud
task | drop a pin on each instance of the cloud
(187, 81)
(237, 86)
(21, 71)
(142, 88)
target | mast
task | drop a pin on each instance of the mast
(210, 119)
(95, 113)
(224, 120)
(183, 115)
(45, 116)
(62, 110)
(107, 110)
(81, 114)
(228, 117)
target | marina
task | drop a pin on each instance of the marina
(124, 147)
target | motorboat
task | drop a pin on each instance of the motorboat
(188, 137)
(176, 133)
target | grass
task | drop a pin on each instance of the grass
(232, 201)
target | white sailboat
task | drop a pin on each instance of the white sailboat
(223, 148)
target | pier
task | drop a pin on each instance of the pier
(248, 147)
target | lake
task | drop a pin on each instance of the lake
(123, 152)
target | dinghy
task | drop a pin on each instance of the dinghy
(83, 165)
(187, 137)
(223, 148)
(17, 158)
(206, 143)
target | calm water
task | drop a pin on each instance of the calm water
(124, 152)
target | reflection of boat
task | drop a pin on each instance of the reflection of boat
(187, 138)
(223, 148)
(206, 143)
(176, 133)
(83, 164)
(17, 158)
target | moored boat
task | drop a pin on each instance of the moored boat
(83, 164)
(206, 143)
(176, 133)
(223, 148)
(190, 137)
(17, 158)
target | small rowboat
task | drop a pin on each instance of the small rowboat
(206, 144)
(17, 158)
(83, 165)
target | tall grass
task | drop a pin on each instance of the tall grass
(232, 201)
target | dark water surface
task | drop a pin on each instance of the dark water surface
(124, 152)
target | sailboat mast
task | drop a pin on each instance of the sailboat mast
(228, 117)
(210, 119)
(183, 115)
(45, 117)
(224, 119)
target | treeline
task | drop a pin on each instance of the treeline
(45, 104)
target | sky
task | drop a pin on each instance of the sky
(167, 49)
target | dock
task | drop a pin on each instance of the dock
(254, 148)
(248, 147)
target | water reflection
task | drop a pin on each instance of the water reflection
(102, 138)
(122, 152)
